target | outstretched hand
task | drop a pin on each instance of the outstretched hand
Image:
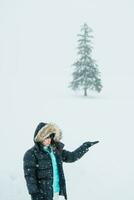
(89, 144)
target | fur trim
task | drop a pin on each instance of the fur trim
(46, 130)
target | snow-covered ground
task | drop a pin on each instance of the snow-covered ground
(37, 47)
(105, 172)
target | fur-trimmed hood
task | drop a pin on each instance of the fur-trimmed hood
(43, 130)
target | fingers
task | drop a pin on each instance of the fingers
(95, 142)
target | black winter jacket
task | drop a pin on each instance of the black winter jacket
(38, 169)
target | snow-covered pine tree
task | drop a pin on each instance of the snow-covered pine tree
(86, 75)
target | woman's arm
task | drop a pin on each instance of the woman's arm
(29, 166)
(68, 156)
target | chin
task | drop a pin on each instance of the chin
(47, 145)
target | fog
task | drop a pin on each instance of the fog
(38, 44)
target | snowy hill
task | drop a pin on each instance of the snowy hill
(105, 171)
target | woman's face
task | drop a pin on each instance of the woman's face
(47, 141)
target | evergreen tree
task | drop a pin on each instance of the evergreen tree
(86, 75)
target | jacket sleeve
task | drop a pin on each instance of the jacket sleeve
(69, 157)
(29, 166)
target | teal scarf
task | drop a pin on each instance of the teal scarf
(56, 187)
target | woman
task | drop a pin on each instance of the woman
(43, 168)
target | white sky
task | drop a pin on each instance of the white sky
(38, 41)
